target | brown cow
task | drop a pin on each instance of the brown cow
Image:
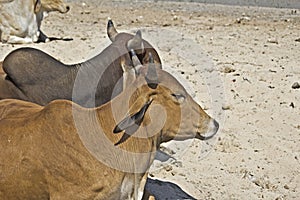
(35, 76)
(64, 151)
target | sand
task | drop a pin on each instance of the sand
(239, 63)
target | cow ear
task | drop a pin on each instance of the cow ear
(136, 43)
(131, 123)
(37, 6)
(111, 30)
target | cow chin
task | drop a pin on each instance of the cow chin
(212, 129)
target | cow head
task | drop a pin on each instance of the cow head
(161, 104)
(142, 48)
(55, 5)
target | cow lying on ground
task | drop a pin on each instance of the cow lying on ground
(20, 20)
(35, 76)
(64, 151)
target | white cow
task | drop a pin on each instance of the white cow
(20, 20)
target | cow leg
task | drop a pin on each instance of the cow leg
(141, 188)
(148, 196)
(18, 40)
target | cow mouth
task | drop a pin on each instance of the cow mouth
(213, 128)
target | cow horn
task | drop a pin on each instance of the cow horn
(136, 43)
(111, 30)
(151, 76)
(135, 61)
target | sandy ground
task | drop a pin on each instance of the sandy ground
(239, 63)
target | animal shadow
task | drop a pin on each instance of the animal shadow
(163, 190)
(63, 39)
(50, 39)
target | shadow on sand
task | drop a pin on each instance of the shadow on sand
(62, 39)
(163, 190)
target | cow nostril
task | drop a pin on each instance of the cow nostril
(68, 8)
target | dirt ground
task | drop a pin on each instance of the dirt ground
(239, 63)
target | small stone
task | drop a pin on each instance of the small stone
(228, 70)
(271, 87)
(273, 71)
(296, 85)
(286, 187)
(178, 163)
(226, 107)
(205, 108)
(181, 174)
(272, 40)
(168, 168)
(241, 19)
(165, 24)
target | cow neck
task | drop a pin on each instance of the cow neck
(115, 111)
(101, 62)
(134, 154)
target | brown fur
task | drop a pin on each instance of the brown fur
(43, 155)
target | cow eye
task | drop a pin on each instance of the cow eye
(179, 97)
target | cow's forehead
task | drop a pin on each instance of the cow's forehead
(167, 81)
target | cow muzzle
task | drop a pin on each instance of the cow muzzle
(213, 127)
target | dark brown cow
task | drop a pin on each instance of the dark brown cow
(64, 151)
(35, 76)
